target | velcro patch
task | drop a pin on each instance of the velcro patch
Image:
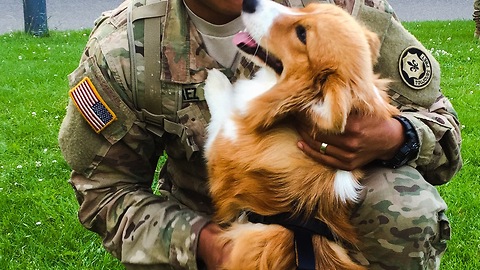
(91, 105)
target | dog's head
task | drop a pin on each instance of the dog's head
(323, 57)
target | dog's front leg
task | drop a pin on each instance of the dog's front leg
(219, 97)
(218, 93)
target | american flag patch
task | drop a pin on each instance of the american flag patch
(91, 105)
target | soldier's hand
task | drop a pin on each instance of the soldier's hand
(211, 250)
(365, 139)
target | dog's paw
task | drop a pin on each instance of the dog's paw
(218, 93)
(216, 84)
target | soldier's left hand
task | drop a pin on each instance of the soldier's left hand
(365, 139)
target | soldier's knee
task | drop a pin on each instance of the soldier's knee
(401, 222)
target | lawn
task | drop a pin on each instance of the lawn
(38, 224)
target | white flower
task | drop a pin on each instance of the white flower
(54, 161)
(20, 57)
(34, 114)
(19, 166)
(38, 164)
(38, 223)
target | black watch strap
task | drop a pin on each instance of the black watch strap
(410, 147)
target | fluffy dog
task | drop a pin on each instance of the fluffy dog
(318, 69)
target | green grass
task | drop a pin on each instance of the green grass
(38, 224)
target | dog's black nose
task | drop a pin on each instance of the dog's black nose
(249, 6)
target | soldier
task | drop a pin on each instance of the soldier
(476, 18)
(135, 97)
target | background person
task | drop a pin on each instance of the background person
(476, 18)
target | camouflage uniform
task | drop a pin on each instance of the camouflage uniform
(401, 219)
(476, 17)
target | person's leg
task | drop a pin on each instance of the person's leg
(401, 221)
(476, 17)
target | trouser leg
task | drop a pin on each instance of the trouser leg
(401, 221)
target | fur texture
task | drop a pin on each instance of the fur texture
(253, 161)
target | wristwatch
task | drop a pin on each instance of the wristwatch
(410, 147)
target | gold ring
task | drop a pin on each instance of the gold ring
(323, 148)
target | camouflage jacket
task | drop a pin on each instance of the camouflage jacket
(114, 166)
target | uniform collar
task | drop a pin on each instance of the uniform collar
(184, 58)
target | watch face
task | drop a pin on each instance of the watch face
(415, 68)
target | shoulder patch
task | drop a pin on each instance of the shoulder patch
(91, 105)
(415, 68)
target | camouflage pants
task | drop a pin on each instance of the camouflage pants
(401, 221)
(476, 13)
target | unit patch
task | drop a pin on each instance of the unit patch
(91, 105)
(415, 68)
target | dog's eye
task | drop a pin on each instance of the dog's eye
(301, 34)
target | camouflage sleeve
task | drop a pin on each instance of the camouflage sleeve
(113, 170)
(438, 130)
(116, 202)
(435, 120)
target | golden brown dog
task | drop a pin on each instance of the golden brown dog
(318, 69)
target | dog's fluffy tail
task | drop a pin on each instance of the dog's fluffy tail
(267, 247)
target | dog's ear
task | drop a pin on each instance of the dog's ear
(274, 105)
(332, 104)
(374, 43)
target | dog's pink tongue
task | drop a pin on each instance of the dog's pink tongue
(244, 39)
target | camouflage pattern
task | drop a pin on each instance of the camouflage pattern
(380, 4)
(401, 221)
(476, 17)
(113, 172)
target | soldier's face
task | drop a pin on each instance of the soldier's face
(216, 11)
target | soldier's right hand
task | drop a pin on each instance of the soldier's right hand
(211, 249)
